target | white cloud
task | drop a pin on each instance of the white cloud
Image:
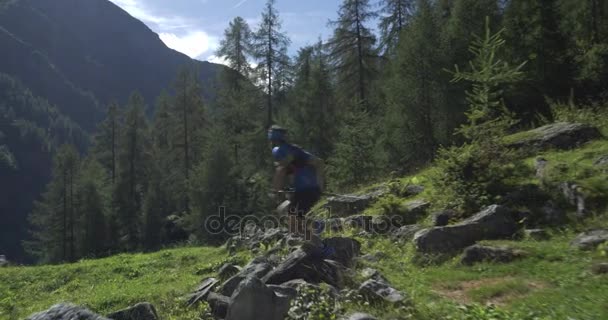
(136, 9)
(193, 44)
(218, 60)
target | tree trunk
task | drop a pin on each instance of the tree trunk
(360, 54)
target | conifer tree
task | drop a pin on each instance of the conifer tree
(106, 140)
(93, 203)
(237, 48)
(394, 17)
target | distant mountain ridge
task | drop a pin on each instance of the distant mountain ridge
(61, 63)
(80, 55)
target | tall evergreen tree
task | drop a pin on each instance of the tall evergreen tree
(352, 49)
(93, 202)
(132, 181)
(414, 94)
(106, 140)
(394, 15)
(270, 44)
(236, 48)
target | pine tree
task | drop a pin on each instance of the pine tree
(131, 181)
(93, 202)
(352, 49)
(270, 44)
(106, 140)
(236, 48)
(54, 218)
(414, 94)
(394, 17)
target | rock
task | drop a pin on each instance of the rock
(351, 204)
(369, 273)
(602, 161)
(573, 194)
(307, 265)
(359, 222)
(479, 253)
(359, 316)
(218, 304)
(551, 214)
(494, 222)
(414, 210)
(443, 218)
(561, 135)
(66, 312)
(406, 233)
(253, 300)
(299, 284)
(540, 164)
(3, 261)
(413, 190)
(140, 311)
(537, 234)
(228, 270)
(273, 235)
(202, 291)
(600, 268)
(334, 224)
(589, 240)
(375, 290)
(258, 267)
(342, 250)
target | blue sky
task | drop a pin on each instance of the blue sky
(195, 27)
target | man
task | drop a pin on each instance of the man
(306, 171)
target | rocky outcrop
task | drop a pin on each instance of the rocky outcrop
(494, 222)
(600, 268)
(479, 253)
(253, 300)
(442, 218)
(218, 304)
(589, 240)
(351, 204)
(406, 233)
(561, 135)
(375, 290)
(203, 290)
(140, 311)
(342, 250)
(307, 264)
(228, 270)
(66, 312)
(258, 267)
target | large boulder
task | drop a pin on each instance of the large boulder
(140, 311)
(375, 290)
(343, 250)
(600, 268)
(479, 253)
(66, 312)
(228, 270)
(258, 267)
(309, 265)
(351, 204)
(442, 218)
(253, 300)
(218, 304)
(406, 233)
(200, 294)
(561, 135)
(589, 240)
(494, 222)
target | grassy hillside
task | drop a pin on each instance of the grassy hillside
(552, 281)
(105, 285)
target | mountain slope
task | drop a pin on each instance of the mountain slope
(80, 54)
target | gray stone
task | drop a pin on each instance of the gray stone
(202, 291)
(351, 204)
(299, 284)
(573, 194)
(253, 300)
(375, 290)
(602, 161)
(537, 234)
(360, 316)
(589, 240)
(417, 208)
(406, 233)
(494, 222)
(478, 253)
(218, 304)
(561, 135)
(228, 270)
(600, 268)
(258, 267)
(370, 273)
(140, 311)
(66, 312)
(342, 250)
(540, 164)
(309, 265)
(359, 222)
(413, 190)
(443, 218)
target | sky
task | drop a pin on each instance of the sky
(195, 27)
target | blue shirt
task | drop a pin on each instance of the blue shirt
(305, 176)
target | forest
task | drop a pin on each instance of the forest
(435, 81)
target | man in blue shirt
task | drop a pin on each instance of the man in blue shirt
(305, 169)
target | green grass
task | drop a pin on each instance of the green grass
(105, 285)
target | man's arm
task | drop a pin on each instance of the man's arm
(280, 173)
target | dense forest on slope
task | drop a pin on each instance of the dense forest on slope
(443, 80)
(78, 56)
